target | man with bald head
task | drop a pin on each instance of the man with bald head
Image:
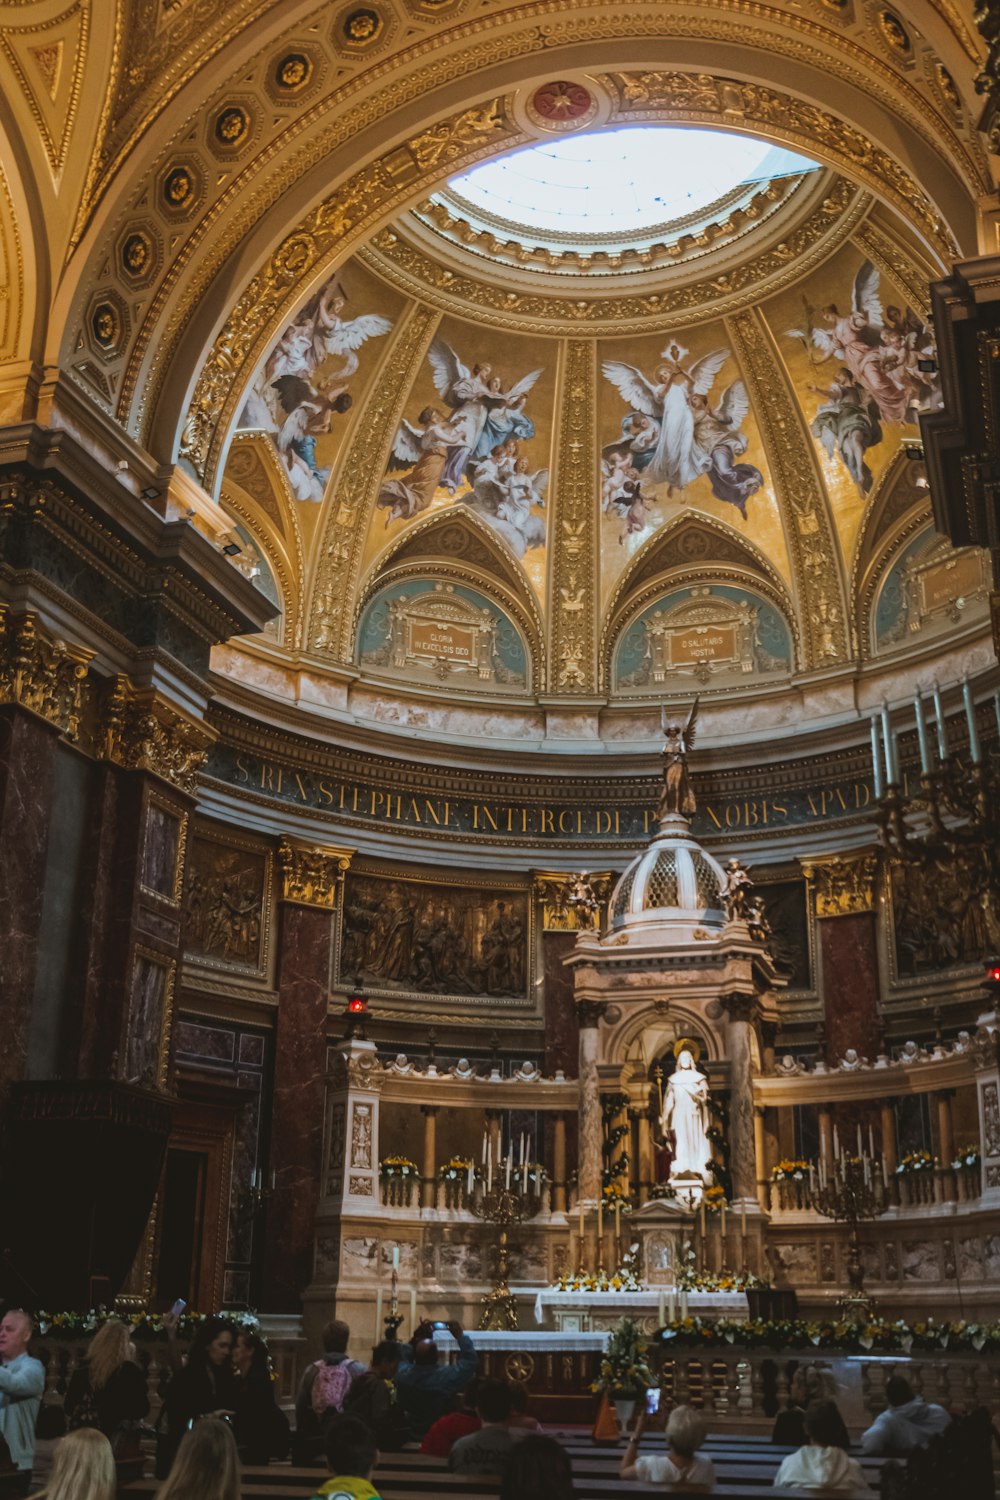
(22, 1381)
(427, 1389)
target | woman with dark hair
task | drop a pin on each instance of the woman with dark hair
(204, 1385)
(261, 1427)
(538, 1468)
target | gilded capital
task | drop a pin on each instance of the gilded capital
(41, 673)
(558, 894)
(843, 885)
(310, 873)
(140, 731)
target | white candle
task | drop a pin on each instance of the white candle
(885, 1174)
(395, 1257)
(378, 1315)
(671, 1305)
(468, 1186)
(942, 734)
(970, 719)
(871, 1143)
(925, 750)
(860, 1148)
(836, 1143)
(661, 1309)
(812, 1177)
(489, 1173)
(510, 1163)
(413, 1308)
(684, 1305)
(877, 762)
(743, 1221)
(486, 1139)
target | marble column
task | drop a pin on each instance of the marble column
(826, 1135)
(428, 1180)
(589, 1014)
(647, 1158)
(760, 1156)
(311, 879)
(848, 951)
(890, 1150)
(559, 1164)
(742, 1128)
(946, 1145)
(27, 775)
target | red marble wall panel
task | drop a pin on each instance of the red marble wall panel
(562, 1035)
(304, 951)
(849, 965)
(27, 775)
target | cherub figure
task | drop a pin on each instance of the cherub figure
(736, 892)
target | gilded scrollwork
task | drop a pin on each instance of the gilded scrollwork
(355, 486)
(573, 601)
(41, 673)
(138, 730)
(564, 901)
(311, 875)
(812, 544)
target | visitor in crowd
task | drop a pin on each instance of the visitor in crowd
(441, 1437)
(22, 1381)
(426, 1389)
(486, 1451)
(207, 1466)
(680, 1464)
(83, 1468)
(808, 1384)
(324, 1385)
(908, 1422)
(351, 1455)
(204, 1385)
(520, 1417)
(261, 1427)
(109, 1389)
(372, 1399)
(821, 1464)
(538, 1468)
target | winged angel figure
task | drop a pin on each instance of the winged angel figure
(879, 351)
(474, 449)
(693, 437)
(677, 797)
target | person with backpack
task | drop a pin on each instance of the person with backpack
(321, 1394)
(372, 1399)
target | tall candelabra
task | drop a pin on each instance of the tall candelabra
(508, 1195)
(852, 1192)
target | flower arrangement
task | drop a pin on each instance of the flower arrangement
(878, 1334)
(967, 1156)
(690, 1280)
(790, 1171)
(142, 1325)
(398, 1166)
(661, 1190)
(714, 1198)
(916, 1161)
(624, 1372)
(533, 1173)
(456, 1169)
(613, 1194)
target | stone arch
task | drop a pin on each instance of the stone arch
(692, 548)
(643, 1036)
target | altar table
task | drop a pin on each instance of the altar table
(593, 1312)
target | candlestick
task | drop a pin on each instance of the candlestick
(722, 1226)
(871, 1143)
(743, 1221)
(877, 761)
(580, 1206)
(836, 1143)
(413, 1308)
(600, 1227)
(395, 1257)
(661, 1308)
(671, 1305)
(970, 719)
(860, 1149)
(378, 1314)
(486, 1139)
(684, 1305)
(925, 751)
(703, 1225)
(942, 733)
(618, 1222)
(472, 1178)
(510, 1163)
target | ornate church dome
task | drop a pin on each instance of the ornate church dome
(671, 890)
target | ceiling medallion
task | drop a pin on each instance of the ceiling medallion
(293, 72)
(136, 254)
(232, 126)
(178, 189)
(107, 324)
(561, 106)
(894, 32)
(362, 27)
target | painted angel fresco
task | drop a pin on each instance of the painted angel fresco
(674, 434)
(304, 383)
(472, 452)
(879, 381)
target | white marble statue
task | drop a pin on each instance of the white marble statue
(685, 1118)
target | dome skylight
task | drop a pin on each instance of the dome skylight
(621, 181)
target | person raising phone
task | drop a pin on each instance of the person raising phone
(680, 1464)
(427, 1390)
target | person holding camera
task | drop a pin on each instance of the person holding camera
(426, 1389)
(680, 1464)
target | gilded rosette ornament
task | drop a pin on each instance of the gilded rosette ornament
(844, 886)
(310, 873)
(39, 672)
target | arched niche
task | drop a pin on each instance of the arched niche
(431, 631)
(717, 635)
(924, 591)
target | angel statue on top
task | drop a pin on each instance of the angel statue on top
(677, 796)
(685, 1116)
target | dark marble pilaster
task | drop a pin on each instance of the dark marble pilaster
(849, 960)
(27, 775)
(562, 1032)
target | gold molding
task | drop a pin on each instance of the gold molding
(551, 891)
(140, 731)
(38, 672)
(843, 884)
(310, 874)
(817, 574)
(573, 529)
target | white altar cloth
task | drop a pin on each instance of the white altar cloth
(575, 1312)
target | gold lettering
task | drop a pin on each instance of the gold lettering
(302, 791)
(326, 795)
(399, 807)
(565, 813)
(859, 787)
(431, 811)
(378, 798)
(354, 803)
(812, 804)
(711, 814)
(602, 821)
(415, 810)
(547, 821)
(490, 818)
(779, 807)
(243, 775)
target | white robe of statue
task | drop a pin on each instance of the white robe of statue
(685, 1117)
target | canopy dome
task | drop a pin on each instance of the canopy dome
(672, 889)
